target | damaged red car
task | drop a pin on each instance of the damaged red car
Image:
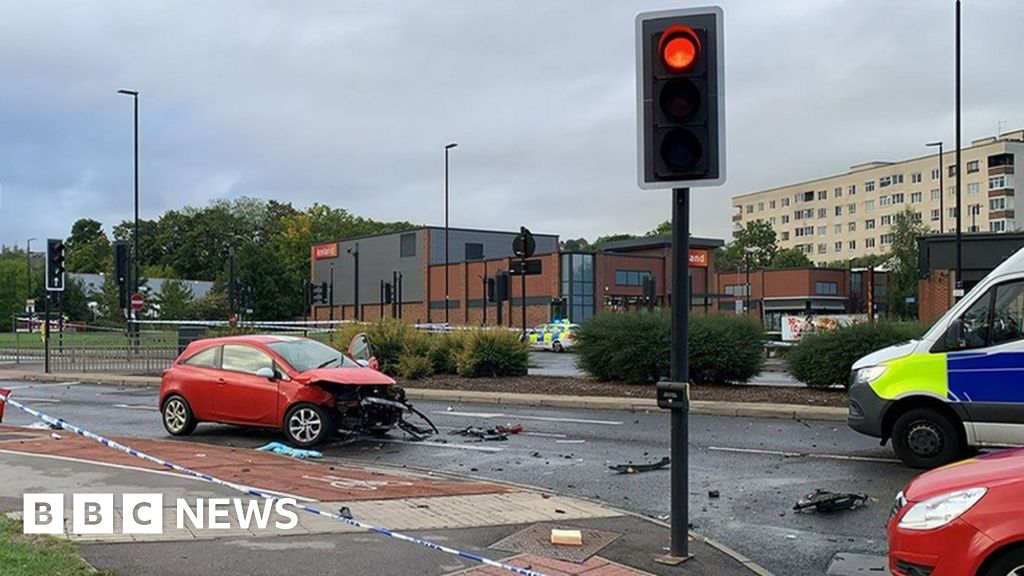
(302, 387)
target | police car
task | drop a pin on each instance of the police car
(555, 336)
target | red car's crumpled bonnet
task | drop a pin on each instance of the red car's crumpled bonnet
(348, 375)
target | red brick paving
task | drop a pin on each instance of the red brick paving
(250, 467)
(595, 566)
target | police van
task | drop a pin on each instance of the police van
(960, 387)
(556, 336)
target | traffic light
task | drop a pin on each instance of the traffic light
(122, 267)
(501, 287)
(490, 290)
(55, 265)
(389, 293)
(680, 86)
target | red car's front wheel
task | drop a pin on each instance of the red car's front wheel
(307, 425)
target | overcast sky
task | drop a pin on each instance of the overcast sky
(350, 104)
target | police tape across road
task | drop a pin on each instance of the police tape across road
(61, 424)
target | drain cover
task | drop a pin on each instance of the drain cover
(537, 540)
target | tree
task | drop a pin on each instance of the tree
(174, 300)
(576, 245)
(88, 248)
(663, 229)
(213, 306)
(757, 235)
(602, 240)
(903, 263)
(790, 258)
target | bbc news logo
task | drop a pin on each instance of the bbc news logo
(144, 514)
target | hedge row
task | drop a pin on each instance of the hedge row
(825, 359)
(635, 347)
(404, 351)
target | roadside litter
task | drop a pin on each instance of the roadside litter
(509, 429)
(828, 502)
(481, 434)
(566, 537)
(284, 449)
(637, 468)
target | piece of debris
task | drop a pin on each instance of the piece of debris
(637, 468)
(509, 428)
(713, 494)
(559, 511)
(55, 436)
(828, 502)
(566, 537)
(284, 449)
(345, 513)
(481, 434)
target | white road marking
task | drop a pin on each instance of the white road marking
(543, 435)
(39, 400)
(443, 445)
(52, 385)
(137, 407)
(570, 441)
(804, 455)
(488, 415)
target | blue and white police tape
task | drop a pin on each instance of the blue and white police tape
(61, 424)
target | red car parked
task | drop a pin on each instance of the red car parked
(964, 519)
(300, 386)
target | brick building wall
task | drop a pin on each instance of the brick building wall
(935, 295)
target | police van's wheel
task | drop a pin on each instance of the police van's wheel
(925, 438)
(178, 417)
(556, 346)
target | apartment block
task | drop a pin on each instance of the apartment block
(850, 215)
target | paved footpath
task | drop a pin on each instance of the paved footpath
(494, 520)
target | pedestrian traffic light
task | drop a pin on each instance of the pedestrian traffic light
(54, 265)
(680, 86)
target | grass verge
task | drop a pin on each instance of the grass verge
(25, 555)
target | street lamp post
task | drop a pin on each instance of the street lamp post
(942, 191)
(135, 98)
(959, 291)
(28, 277)
(446, 293)
(748, 251)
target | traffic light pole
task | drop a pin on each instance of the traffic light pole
(680, 372)
(46, 333)
(523, 298)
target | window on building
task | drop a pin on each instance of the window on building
(839, 246)
(935, 174)
(822, 194)
(1000, 160)
(785, 202)
(869, 186)
(915, 177)
(936, 214)
(772, 221)
(916, 216)
(851, 189)
(869, 242)
(750, 208)
(952, 212)
(822, 230)
(838, 192)
(886, 239)
(884, 181)
(474, 251)
(884, 200)
(936, 193)
(951, 170)
(1000, 182)
(972, 167)
(771, 204)
(822, 213)
(915, 198)
(851, 226)
(785, 236)
(839, 210)
(851, 208)
(853, 245)
(760, 206)
(407, 245)
(886, 220)
(997, 226)
(631, 277)
(973, 188)
(1001, 203)
(822, 288)
(898, 198)
(822, 248)
(806, 196)
(869, 224)
(869, 205)
(838, 228)
(897, 178)
(805, 231)
(785, 218)
(974, 209)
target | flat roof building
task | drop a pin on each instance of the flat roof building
(850, 215)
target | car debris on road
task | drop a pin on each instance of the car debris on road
(637, 468)
(828, 502)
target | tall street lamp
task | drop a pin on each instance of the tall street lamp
(446, 293)
(748, 251)
(958, 292)
(942, 190)
(28, 276)
(135, 97)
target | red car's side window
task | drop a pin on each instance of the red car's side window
(245, 359)
(209, 358)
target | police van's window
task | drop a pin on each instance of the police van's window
(1008, 313)
(974, 333)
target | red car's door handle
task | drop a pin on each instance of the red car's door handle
(221, 381)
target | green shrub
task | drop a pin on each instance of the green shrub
(391, 339)
(725, 348)
(413, 367)
(445, 349)
(825, 358)
(635, 347)
(492, 353)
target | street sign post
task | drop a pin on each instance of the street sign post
(681, 143)
(524, 246)
(138, 302)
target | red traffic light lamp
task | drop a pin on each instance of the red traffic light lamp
(679, 48)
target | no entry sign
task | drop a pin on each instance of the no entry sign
(138, 302)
